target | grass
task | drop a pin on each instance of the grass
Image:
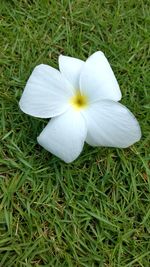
(95, 211)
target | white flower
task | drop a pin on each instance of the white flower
(81, 99)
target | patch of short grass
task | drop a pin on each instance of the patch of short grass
(95, 211)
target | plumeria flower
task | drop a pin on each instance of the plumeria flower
(81, 98)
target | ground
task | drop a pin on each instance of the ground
(96, 210)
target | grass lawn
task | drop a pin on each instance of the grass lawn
(96, 210)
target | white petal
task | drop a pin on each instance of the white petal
(71, 68)
(46, 93)
(97, 79)
(111, 124)
(64, 135)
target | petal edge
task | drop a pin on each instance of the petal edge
(64, 136)
(97, 79)
(46, 93)
(71, 67)
(111, 124)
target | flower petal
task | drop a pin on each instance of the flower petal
(71, 68)
(64, 135)
(111, 124)
(97, 79)
(46, 93)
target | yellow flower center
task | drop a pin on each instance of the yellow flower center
(79, 101)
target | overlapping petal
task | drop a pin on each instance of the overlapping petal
(111, 124)
(64, 135)
(97, 79)
(71, 68)
(46, 94)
